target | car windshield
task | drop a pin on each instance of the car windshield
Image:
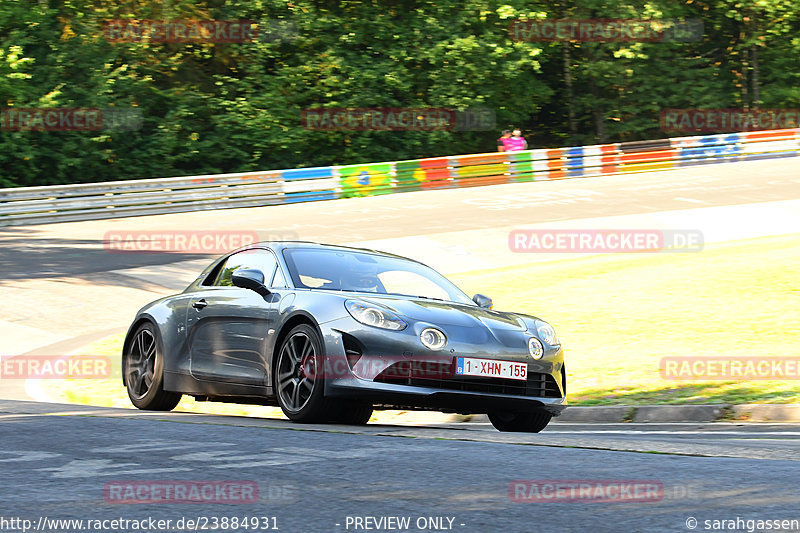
(344, 270)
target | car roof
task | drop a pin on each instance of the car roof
(282, 245)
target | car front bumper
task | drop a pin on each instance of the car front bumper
(393, 370)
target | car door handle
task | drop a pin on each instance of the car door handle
(199, 304)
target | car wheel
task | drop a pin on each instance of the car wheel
(532, 422)
(299, 379)
(143, 364)
(354, 413)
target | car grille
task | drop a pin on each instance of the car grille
(442, 376)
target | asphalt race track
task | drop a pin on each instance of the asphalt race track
(312, 478)
(68, 267)
(75, 248)
(63, 289)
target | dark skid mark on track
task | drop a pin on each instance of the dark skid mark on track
(52, 258)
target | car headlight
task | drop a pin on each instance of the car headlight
(535, 348)
(372, 315)
(433, 339)
(547, 333)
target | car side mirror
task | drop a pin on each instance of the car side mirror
(250, 278)
(483, 301)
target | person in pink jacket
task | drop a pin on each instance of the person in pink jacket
(504, 142)
(517, 142)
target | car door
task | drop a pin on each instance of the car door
(228, 326)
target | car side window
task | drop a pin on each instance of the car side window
(211, 277)
(258, 259)
(279, 281)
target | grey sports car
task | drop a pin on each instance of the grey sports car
(330, 333)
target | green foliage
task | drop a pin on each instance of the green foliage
(230, 107)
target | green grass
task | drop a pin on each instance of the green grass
(617, 316)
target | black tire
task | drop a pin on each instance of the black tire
(143, 367)
(532, 422)
(298, 378)
(354, 413)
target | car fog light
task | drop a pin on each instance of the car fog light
(535, 348)
(433, 339)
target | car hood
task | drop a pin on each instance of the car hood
(450, 313)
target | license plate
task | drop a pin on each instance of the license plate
(491, 368)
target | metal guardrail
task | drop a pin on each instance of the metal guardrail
(91, 201)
